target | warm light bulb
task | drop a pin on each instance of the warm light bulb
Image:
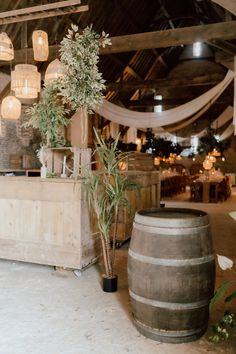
(197, 49)
(40, 40)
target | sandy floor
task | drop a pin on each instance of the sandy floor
(43, 311)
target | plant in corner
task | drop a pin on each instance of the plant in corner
(226, 326)
(105, 190)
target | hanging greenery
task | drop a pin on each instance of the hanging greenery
(209, 142)
(161, 147)
(82, 84)
(49, 116)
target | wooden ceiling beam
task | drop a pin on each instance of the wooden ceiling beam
(226, 60)
(227, 47)
(171, 37)
(202, 80)
(42, 11)
(150, 40)
(39, 8)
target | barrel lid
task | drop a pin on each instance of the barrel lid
(172, 217)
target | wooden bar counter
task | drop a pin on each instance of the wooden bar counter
(45, 221)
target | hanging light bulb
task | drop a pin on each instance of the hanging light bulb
(207, 164)
(40, 45)
(6, 47)
(26, 81)
(54, 70)
(10, 108)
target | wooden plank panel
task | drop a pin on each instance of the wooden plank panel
(40, 230)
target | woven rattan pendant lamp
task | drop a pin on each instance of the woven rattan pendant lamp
(40, 45)
(26, 81)
(10, 108)
(6, 47)
(54, 70)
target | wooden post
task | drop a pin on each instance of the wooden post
(79, 129)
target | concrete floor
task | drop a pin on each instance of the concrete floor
(47, 311)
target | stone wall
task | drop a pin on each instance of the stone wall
(16, 140)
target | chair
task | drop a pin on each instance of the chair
(224, 190)
(214, 192)
(196, 191)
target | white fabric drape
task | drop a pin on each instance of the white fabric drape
(131, 135)
(223, 118)
(228, 131)
(114, 129)
(157, 119)
(229, 5)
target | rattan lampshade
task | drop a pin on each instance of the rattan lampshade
(40, 45)
(6, 47)
(10, 108)
(26, 81)
(54, 70)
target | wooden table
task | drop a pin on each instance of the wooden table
(207, 191)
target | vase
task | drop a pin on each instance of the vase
(109, 284)
(43, 171)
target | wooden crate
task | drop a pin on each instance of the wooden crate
(146, 196)
(139, 161)
(75, 158)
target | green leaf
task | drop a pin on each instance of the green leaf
(230, 297)
(220, 292)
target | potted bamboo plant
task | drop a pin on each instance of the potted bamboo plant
(105, 190)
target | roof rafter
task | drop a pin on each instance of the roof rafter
(59, 8)
(210, 79)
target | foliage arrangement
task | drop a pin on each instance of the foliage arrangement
(227, 324)
(105, 190)
(49, 116)
(209, 142)
(82, 84)
(161, 147)
(80, 87)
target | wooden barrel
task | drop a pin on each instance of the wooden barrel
(171, 273)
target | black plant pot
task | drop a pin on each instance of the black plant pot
(109, 284)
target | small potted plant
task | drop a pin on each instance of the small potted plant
(105, 190)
